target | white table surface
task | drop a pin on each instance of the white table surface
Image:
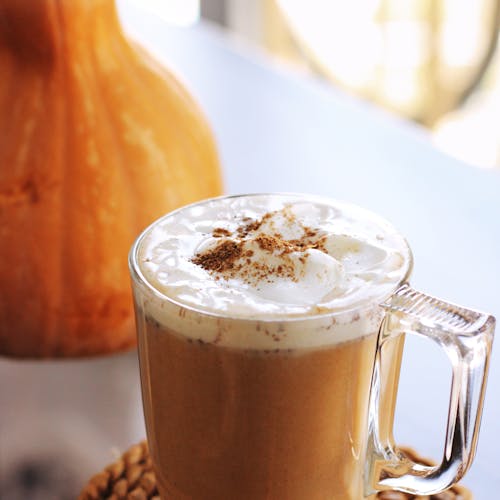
(279, 130)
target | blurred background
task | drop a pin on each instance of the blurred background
(435, 62)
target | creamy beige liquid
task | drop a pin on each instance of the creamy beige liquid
(250, 396)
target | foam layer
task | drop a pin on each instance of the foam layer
(273, 260)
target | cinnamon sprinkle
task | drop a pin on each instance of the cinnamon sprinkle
(218, 232)
(243, 231)
(231, 257)
(221, 258)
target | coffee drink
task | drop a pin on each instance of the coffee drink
(257, 319)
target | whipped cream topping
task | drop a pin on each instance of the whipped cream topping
(266, 257)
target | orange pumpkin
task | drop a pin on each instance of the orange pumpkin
(96, 141)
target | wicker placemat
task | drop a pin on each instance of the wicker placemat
(131, 477)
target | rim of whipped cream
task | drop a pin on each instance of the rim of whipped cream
(350, 208)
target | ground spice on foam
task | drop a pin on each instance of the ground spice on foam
(229, 258)
(220, 258)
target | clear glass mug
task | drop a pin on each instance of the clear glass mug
(242, 423)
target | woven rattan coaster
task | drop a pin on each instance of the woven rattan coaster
(131, 477)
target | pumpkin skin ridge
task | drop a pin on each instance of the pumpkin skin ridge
(79, 316)
(28, 188)
(118, 42)
(56, 216)
(54, 284)
(60, 100)
(36, 193)
(60, 97)
(112, 134)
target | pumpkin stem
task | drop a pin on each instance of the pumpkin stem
(41, 30)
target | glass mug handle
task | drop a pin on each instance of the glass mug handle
(466, 336)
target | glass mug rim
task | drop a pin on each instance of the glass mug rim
(139, 276)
